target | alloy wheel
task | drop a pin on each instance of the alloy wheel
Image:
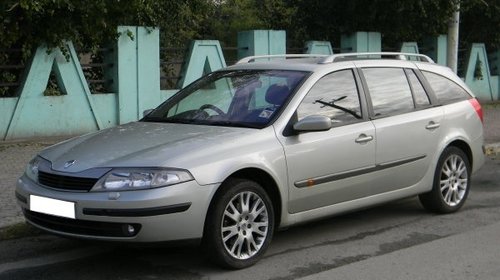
(244, 225)
(454, 180)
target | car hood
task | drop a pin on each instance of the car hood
(141, 144)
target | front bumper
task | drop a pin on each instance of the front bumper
(163, 214)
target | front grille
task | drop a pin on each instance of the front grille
(66, 182)
(81, 227)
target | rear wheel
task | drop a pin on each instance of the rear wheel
(451, 182)
(240, 224)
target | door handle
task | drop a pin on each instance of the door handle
(432, 125)
(363, 138)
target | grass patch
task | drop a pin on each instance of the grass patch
(491, 105)
(8, 145)
(19, 230)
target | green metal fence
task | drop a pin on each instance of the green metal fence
(130, 77)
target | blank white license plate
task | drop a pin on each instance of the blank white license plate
(52, 206)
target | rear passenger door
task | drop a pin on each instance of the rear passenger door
(407, 126)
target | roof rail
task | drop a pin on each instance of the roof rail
(249, 59)
(395, 55)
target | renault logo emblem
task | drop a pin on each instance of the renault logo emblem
(69, 163)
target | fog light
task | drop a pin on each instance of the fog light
(129, 230)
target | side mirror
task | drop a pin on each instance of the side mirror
(146, 112)
(313, 123)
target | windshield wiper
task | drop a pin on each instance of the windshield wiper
(169, 120)
(333, 105)
(233, 124)
(200, 122)
(184, 121)
(152, 119)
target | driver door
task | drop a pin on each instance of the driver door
(327, 167)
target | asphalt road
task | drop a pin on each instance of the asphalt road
(398, 240)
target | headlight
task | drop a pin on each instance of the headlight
(139, 179)
(32, 168)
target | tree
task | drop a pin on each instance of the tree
(28, 23)
(479, 23)
(89, 24)
(397, 20)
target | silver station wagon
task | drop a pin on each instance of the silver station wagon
(261, 145)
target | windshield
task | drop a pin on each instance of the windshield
(245, 98)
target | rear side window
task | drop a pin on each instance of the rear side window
(389, 89)
(445, 89)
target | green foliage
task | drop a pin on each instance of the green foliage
(232, 16)
(28, 23)
(277, 14)
(491, 105)
(89, 24)
(398, 20)
(478, 72)
(6, 77)
(17, 231)
(52, 87)
(479, 22)
(9, 75)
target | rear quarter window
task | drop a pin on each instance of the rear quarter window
(445, 89)
(419, 95)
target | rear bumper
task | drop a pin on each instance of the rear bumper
(478, 154)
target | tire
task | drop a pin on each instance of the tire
(239, 225)
(451, 184)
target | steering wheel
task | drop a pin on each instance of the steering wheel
(213, 108)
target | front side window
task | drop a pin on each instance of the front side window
(446, 90)
(389, 90)
(246, 98)
(335, 96)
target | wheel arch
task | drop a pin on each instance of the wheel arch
(465, 147)
(435, 200)
(265, 180)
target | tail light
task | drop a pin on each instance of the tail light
(477, 107)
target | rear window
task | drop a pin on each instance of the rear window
(445, 89)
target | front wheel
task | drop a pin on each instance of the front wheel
(240, 224)
(451, 182)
